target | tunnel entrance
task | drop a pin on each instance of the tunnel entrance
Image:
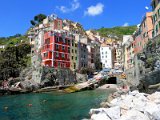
(112, 80)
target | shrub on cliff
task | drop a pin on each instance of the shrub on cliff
(13, 59)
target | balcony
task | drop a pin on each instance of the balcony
(47, 58)
(47, 48)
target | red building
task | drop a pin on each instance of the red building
(56, 50)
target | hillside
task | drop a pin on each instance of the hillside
(117, 31)
(15, 57)
(13, 40)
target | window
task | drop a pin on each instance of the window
(57, 54)
(63, 48)
(45, 54)
(72, 43)
(68, 49)
(47, 41)
(75, 58)
(102, 56)
(60, 39)
(155, 17)
(74, 66)
(57, 47)
(156, 28)
(106, 56)
(75, 51)
(72, 57)
(102, 53)
(153, 33)
(68, 42)
(64, 41)
(59, 64)
(144, 24)
(106, 52)
(57, 39)
(159, 12)
(63, 56)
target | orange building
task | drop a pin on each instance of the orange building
(143, 33)
(156, 16)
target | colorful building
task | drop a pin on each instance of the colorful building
(107, 56)
(156, 17)
(93, 46)
(128, 50)
(56, 49)
(143, 33)
(73, 55)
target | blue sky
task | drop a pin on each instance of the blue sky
(15, 15)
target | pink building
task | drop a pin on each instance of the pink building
(156, 17)
(56, 44)
(144, 33)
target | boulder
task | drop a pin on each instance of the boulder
(133, 93)
(134, 115)
(46, 83)
(155, 97)
(133, 88)
(29, 85)
(105, 104)
(113, 112)
(100, 116)
(96, 111)
(12, 81)
(152, 110)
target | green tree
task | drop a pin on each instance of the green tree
(38, 19)
(13, 59)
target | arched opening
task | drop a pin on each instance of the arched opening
(112, 80)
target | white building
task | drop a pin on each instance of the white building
(107, 57)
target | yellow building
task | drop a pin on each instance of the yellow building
(73, 55)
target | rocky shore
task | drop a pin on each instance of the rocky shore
(130, 106)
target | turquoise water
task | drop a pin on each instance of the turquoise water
(58, 106)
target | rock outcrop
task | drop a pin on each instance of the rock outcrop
(132, 106)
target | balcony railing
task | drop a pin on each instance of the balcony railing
(47, 58)
(46, 48)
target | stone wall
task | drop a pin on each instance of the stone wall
(152, 78)
(60, 76)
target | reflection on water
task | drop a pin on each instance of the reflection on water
(50, 106)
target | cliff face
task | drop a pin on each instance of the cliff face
(150, 58)
(13, 59)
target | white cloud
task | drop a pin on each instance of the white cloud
(74, 5)
(125, 24)
(94, 10)
(147, 8)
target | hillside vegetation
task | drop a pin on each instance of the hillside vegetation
(15, 56)
(117, 31)
(13, 59)
(13, 40)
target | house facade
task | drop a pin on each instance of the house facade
(107, 56)
(56, 49)
(156, 17)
